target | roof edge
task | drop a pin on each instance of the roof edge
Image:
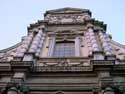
(117, 43)
(10, 48)
(80, 10)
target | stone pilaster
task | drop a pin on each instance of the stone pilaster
(51, 46)
(105, 79)
(28, 56)
(77, 46)
(98, 56)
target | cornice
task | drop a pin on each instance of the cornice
(100, 65)
(37, 24)
(10, 48)
(95, 22)
(62, 11)
(118, 44)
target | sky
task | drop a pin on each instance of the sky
(16, 15)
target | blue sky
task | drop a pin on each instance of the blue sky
(16, 15)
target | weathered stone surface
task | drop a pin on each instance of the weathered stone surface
(97, 65)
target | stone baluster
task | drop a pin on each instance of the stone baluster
(18, 53)
(24, 47)
(92, 44)
(35, 42)
(27, 42)
(40, 45)
(51, 46)
(88, 42)
(93, 40)
(77, 46)
(34, 45)
(105, 44)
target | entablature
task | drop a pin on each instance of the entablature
(65, 33)
(62, 65)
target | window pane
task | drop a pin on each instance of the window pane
(64, 49)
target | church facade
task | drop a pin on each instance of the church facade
(68, 52)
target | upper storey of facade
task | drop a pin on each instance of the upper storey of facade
(66, 33)
(67, 17)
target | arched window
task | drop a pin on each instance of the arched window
(64, 49)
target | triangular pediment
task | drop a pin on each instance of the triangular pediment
(68, 10)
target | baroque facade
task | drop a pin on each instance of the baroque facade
(68, 52)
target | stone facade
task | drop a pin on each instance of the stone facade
(33, 66)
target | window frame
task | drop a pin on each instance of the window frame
(65, 49)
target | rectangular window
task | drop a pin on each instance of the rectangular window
(64, 49)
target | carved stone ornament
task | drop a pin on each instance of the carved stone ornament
(65, 18)
(65, 63)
